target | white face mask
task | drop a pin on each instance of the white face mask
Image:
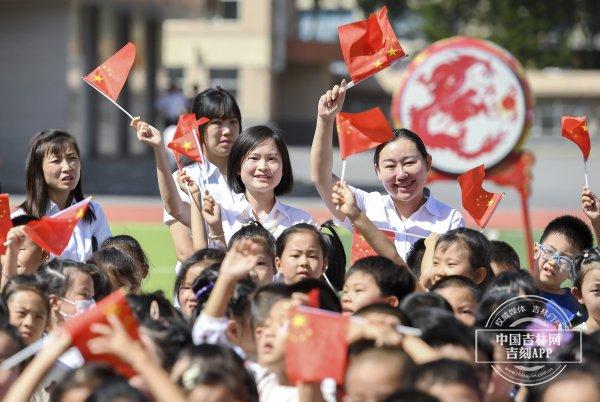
(81, 306)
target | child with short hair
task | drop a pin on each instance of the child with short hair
(562, 240)
(448, 380)
(375, 279)
(301, 253)
(462, 294)
(503, 257)
(130, 246)
(120, 268)
(586, 288)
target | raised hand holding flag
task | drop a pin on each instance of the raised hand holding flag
(109, 78)
(575, 129)
(369, 46)
(480, 204)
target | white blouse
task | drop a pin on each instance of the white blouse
(80, 246)
(432, 216)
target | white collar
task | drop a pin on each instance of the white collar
(242, 206)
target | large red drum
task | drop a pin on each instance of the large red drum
(469, 101)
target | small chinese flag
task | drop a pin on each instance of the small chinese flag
(183, 142)
(369, 46)
(358, 132)
(575, 129)
(79, 329)
(5, 222)
(316, 345)
(480, 204)
(109, 78)
(53, 233)
(361, 248)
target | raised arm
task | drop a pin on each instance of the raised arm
(199, 240)
(174, 205)
(15, 238)
(591, 207)
(321, 152)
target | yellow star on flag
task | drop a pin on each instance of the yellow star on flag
(187, 145)
(391, 52)
(378, 64)
(113, 309)
(584, 127)
(490, 202)
(79, 213)
(299, 320)
(98, 78)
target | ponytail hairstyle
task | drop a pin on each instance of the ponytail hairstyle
(48, 142)
(336, 256)
(57, 275)
(216, 103)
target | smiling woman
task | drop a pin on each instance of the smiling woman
(401, 164)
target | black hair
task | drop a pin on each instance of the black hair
(102, 284)
(22, 220)
(203, 286)
(215, 364)
(411, 395)
(205, 254)
(328, 299)
(364, 349)
(390, 278)
(584, 263)
(116, 389)
(57, 275)
(37, 200)
(129, 245)
(383, 308)
(13, 334)
(27, 282)
(88, 376)
(170, 335)
(478, 248)
(248, 140)
(445, 371)
(336, 255)
(264, 298)
(300, 227)
(415, 257)
(119, 266)
(216, 103)
(141, 304)
(576, 231)
(448, 330)
(503, 254)
(253, 229)
(419, 301)
(402, 134)
(457, 281)
(239, 304)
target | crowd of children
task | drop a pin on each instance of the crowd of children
(246, 260)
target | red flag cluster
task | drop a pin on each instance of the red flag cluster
(184, 142)
(316, 345)
(79, 328)
(369, 46)
(358, 132)
(5, 222)
(53, 233)
(361, 248)
(575, 129)
(109, 78)
(480, 204)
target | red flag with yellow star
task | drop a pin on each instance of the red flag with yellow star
(53, 233)
(183, 142)
(575, 129)
(109, 78)
(79, 329)
(361, 248)
(369, 46)
(480, 204)
(5, 222)
(316, 345)
(358, 132)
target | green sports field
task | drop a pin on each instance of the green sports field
(156, 242)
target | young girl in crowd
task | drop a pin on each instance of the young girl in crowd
(132, 248)
(301, 253)
(586, 288)
(119, 267)
(217, 138)
(28, 306)
(53, 183)
(402, 165)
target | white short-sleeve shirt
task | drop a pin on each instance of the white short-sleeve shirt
(432, 216)
(281, 217)
(85, 234)
(217, 186)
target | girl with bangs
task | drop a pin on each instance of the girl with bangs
(53, 183)
(217, 138)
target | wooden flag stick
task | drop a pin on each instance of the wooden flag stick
(115, 103)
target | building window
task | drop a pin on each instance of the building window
(225, 78)
(229, 9)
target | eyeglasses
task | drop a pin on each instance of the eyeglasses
(548, 254)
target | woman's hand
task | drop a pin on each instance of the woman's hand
(15, 238)
(183, 179)
(331, 102)
(344, 199)
(146, 133)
